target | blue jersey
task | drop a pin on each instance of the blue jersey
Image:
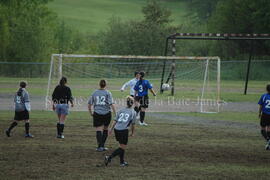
(142, 87)
(265, 103)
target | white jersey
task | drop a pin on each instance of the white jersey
(132, 84)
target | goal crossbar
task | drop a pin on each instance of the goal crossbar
(136, 57)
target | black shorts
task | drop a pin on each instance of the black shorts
(22, 115)
(121, 136)
(265, 120)
(143, 100)
(102, 120)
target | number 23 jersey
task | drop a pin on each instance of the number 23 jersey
(265, 102)
(102, 100)
(124, 118)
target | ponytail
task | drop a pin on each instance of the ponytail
(102, 83)
(19, 92)
(63, 81)
(130, 101)
(268, 88)
(22, 85)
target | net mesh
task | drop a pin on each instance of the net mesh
(196, 80)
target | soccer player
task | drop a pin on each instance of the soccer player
(141, 96)
(131, 84)
(102, 101)
(22, 109)
(61, 97)
(124, 118)
(264, 115)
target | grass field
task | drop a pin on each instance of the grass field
(166, 149)
(231, 91)
(93, 15)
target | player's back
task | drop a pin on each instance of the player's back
(142, 87)
(20, 98)
(124, 118)
(101, 99)
(265, 102)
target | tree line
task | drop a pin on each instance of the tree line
(29, 31)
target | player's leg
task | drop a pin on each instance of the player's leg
(122, 138)
(58, 111)
(144, 105)
(98, 123)
(12, 125)
(63, 111)
(263, 124)
(99, 130)
(62, 125)
(27, 128)
(107, 121)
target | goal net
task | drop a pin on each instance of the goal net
(196, 80)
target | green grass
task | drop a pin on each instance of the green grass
(93, 15)
(246, 117)
(231, 91)
(164, 150)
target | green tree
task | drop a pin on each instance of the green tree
(145, 37)
(242, 16)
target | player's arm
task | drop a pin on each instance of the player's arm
(27, 102)
(113, 109)
(132, 129)
(53, 97)
(112, 127)
(133, 125)
(260, 111)
(90, 109)
(90, 104)
(153, 92)
(150, 87)
(70, 98)
(261, 101)
(125, 86)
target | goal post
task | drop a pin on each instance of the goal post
(195, 78)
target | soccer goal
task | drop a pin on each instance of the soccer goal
(196, 79)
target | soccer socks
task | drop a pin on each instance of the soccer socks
(58, 129)
(268, 135)
(122, 154)
(104, 137)
(61, 129)
(264, 134)
(12, 126)
(99, 138)
(142, 115)
(136, 109)
(27, 125)
(118, 152)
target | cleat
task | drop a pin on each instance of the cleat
(124, 164)
(29, 135)
(107, 160)
(105, 149)
(60, 136)
(100, 149)
(141, 124)
(7, 133)
(267, 146)
(145, 124)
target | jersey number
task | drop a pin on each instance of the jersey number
(140, 88)
(267, 106)
(123, 117)
(101, 100)
(18, 99)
